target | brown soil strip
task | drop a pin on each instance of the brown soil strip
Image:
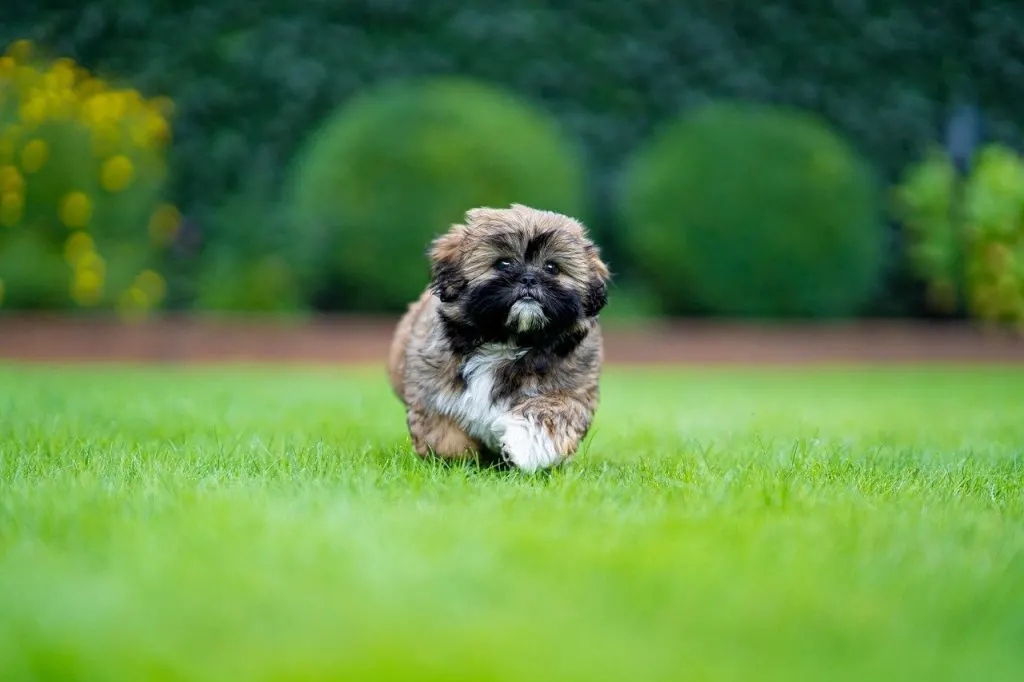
(365, 340)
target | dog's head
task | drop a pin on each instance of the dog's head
(518, 273)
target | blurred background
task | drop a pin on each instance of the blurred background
(778, 160)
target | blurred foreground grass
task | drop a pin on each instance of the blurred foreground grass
(271, 524)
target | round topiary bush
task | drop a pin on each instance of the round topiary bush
(397, 165)
(753, 211)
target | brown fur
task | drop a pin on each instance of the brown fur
(547, 381)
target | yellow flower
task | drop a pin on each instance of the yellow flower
(105, 138)
(24, 78)
(12, 207)
(75, 209)
(151, 284)
(132, 100)
(157, 131)
(50, 81)
(116, 174)
(91, 106)
(33, 110)
(6, 65)
(20, 51)
(11, 180)
(103, 106)
(77, 248)
(164, 224)
(34, 155)
(63, 72)
(151, 131)
(90, 260)
(132, 304)
(58, 105)
(113, 105)
(87, 287)
(88, 88)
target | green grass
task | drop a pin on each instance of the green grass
(272, 524)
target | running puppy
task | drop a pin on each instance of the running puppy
(502, 353)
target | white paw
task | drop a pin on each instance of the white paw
(526, 445)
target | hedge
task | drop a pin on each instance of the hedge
(251, 78)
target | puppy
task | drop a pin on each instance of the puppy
(502, 353)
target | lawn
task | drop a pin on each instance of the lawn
(228, 525)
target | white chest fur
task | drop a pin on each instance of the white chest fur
(490, 421)
(474, 408)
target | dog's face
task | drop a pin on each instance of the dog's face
(518, 274)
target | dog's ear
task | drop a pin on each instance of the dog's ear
(445, 255)
(597, 288)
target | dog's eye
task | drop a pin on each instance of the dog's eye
(551, 268)
(503, 264)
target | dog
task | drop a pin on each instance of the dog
(501, 355)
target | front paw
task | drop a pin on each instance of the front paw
(526, 445)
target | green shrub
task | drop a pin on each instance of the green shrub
(752, 210)
(967, 236)
(397, 165)
(924, 203)
(82, 175)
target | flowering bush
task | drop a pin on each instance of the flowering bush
(82, 175)
(967, 237)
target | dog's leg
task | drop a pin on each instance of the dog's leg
(542, 432)
(437, 434)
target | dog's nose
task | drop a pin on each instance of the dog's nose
(528, 279)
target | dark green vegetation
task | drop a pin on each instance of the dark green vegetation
(253, 79)
(267, 524)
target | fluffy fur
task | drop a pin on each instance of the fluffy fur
(502, 353)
